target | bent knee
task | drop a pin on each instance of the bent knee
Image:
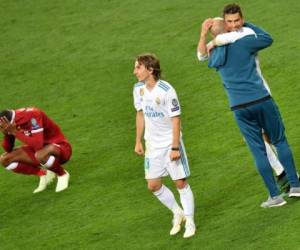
(40, 156)
(43, 155)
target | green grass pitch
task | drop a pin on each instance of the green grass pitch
(74, 59)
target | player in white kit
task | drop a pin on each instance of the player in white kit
(158, 113)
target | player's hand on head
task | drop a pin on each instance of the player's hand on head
(3, 125)
(206, 25)
(2, 129)
(3, 155)
(6, 127)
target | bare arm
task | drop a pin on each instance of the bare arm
(175, 154)
(140, 125)
(201, 49)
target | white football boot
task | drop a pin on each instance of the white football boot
(62, 182)
(50, 176)
(45, 180)
(178, 219)
(190, 229)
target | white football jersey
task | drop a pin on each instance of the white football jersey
(158, 105)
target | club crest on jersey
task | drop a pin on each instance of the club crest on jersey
(157, 100)
(34, 123)
(175, 105)
(175, 102)
(141, 91)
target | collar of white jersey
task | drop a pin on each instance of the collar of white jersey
(154, 86)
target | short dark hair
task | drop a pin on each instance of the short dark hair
(151, 62)
(6, 113)
(232, 8)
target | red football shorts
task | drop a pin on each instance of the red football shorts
(65, 151)
(64, 148)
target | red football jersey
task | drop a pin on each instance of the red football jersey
(35, 129)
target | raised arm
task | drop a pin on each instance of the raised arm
(201, 49)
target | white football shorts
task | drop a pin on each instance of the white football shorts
(158, 163)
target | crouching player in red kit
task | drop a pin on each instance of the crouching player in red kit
(45, 147)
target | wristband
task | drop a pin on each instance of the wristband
(175, 149)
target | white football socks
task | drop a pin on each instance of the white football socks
(187, 201)
(49, 162)
(167, 198)
(12, 166)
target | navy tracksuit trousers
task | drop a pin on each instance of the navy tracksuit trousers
(265, 115)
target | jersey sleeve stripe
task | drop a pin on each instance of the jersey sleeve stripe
(37, 130)
(163, 86)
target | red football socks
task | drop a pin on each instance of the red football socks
(57, 168)
(28, 169)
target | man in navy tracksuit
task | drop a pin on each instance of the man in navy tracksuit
(253, 107)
